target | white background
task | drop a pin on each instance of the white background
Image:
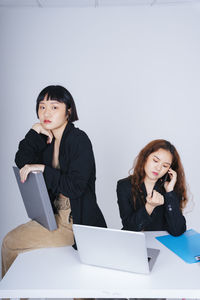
(134, 74)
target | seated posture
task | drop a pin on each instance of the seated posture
(64, 154)
(153, 197)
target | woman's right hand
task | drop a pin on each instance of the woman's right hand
(39, 129)
(153, 200)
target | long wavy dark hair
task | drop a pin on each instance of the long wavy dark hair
(138, 175)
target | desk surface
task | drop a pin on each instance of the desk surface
(58, 273)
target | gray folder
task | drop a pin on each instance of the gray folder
(36, 199)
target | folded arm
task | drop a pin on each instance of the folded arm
(136, 220)
(176, 224)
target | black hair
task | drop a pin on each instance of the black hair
(60, 94)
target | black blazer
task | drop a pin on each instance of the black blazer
(164, 217)
(75, 178)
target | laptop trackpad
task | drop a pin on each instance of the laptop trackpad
(152, 256)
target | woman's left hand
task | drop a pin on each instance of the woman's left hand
(169, 185)
(29, 168)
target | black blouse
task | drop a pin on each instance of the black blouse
(75, 178)
(164, 217)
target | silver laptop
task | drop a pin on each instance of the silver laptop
(116, 249)
(36, 199)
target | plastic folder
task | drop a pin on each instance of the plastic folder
(186, 246)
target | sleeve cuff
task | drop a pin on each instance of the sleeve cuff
(172, 201)
(36, 140)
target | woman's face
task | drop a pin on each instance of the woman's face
(157, 164)
(52, 114)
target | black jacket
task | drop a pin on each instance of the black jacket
(75, 178)
(164, 217)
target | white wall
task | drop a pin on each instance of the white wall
(134, 74)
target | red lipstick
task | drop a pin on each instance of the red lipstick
(155, 173)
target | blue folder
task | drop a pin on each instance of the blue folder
(186, 246)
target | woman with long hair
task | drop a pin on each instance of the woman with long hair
(154, 195)
(64, 154)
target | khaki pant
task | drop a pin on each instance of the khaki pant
(32, 235)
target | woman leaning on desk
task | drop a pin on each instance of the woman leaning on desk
(153, 197)
(64, 154)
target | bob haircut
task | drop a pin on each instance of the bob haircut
(60, 94)
(139, 173)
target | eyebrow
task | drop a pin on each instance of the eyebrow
(164, 162)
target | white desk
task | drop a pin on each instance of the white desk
(58, 273)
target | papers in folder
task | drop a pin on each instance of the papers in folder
(186, 246)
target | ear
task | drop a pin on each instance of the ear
(69, 113)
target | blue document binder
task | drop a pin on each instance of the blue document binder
(186, 246)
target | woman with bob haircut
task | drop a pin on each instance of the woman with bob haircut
(64, 154)
(153, 197)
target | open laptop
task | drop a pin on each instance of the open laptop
(116, 249)
(36, 199)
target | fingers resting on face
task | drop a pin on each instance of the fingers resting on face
(40, 129)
